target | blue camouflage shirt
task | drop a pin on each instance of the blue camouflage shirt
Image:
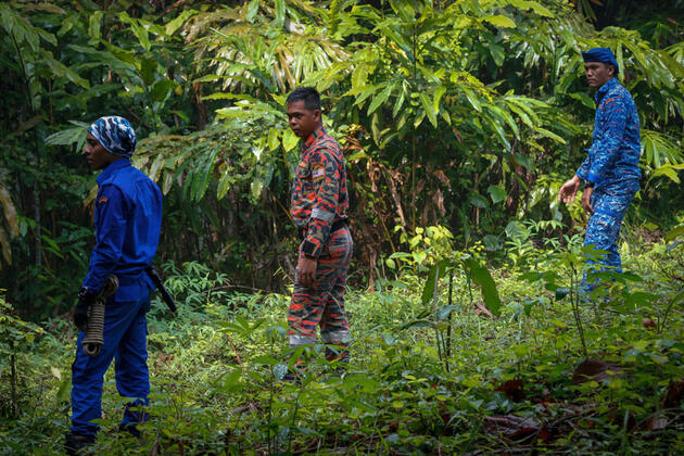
(614, 153)
(128, 211)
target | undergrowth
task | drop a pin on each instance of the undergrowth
(437, 367)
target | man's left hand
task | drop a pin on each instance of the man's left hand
(586, 200)
(306, 270)
(86, 298)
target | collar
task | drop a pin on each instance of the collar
(109, 170)
(605, 88)
(313, 137)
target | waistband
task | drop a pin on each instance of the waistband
(132, 278)
(337, 225)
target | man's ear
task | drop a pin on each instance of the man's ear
(611, 70)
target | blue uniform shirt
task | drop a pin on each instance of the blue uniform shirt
(614, 153)
(128, 211)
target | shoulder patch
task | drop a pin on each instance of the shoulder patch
(102, 200)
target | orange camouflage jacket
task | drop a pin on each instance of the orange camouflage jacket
(319, 191)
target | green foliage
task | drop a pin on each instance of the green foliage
(420, 381)
(16, 337)
(463, 117)
(461, 114)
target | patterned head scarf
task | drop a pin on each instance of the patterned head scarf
(115, 134)
(601, 55)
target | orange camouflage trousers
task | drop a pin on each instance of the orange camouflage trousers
(323, 305)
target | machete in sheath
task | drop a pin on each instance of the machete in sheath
(157, 280)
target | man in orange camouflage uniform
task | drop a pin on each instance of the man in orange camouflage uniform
(319, 206)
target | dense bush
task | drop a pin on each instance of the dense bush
(459, 121)
(429, 373)
(466, 114)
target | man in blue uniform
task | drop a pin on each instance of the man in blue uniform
(128, 210)
(611, 170)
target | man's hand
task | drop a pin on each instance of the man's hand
(306, 270)
(569, 190)
(86, 298)
(586, 200)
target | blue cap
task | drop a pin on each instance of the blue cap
(116, 134)
(601, 55)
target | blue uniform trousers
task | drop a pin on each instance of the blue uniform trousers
(125, 340)
(610, 203)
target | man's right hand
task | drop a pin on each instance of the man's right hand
(86, 298)
(569, 190)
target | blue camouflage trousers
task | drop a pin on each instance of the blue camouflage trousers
(610, 204)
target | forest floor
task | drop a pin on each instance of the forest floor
(436, 376)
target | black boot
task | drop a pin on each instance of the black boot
(74, 444)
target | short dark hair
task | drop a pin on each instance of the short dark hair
(309, 95)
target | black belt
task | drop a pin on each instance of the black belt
(338, 225)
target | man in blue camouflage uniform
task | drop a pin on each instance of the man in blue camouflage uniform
(611, 170)
(128, 210)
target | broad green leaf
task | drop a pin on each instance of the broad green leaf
(517, 231)
(550, 135)
(61, 70)
(224, 184)
(155, 169)
(67, 137)
(162, 89)
(94, 25)
(273, 139)
(506, 117)
(437, 98)
(583, 98)
(173, 25)
(256, 188)
(290, 140)
(148, 69)
(429, 109)
(478, 200)
(398, 103)
(168, 182)
(674, 233)
(481, 276)
(521, 114)
(200, 181)
(533, 5)
(498, 129)
(380, 98)
(404, 9)
(497, 52)
(668, 171)
(432, 283)
(137, 29)
(499, 20)
(472, 98)
(497, 193)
